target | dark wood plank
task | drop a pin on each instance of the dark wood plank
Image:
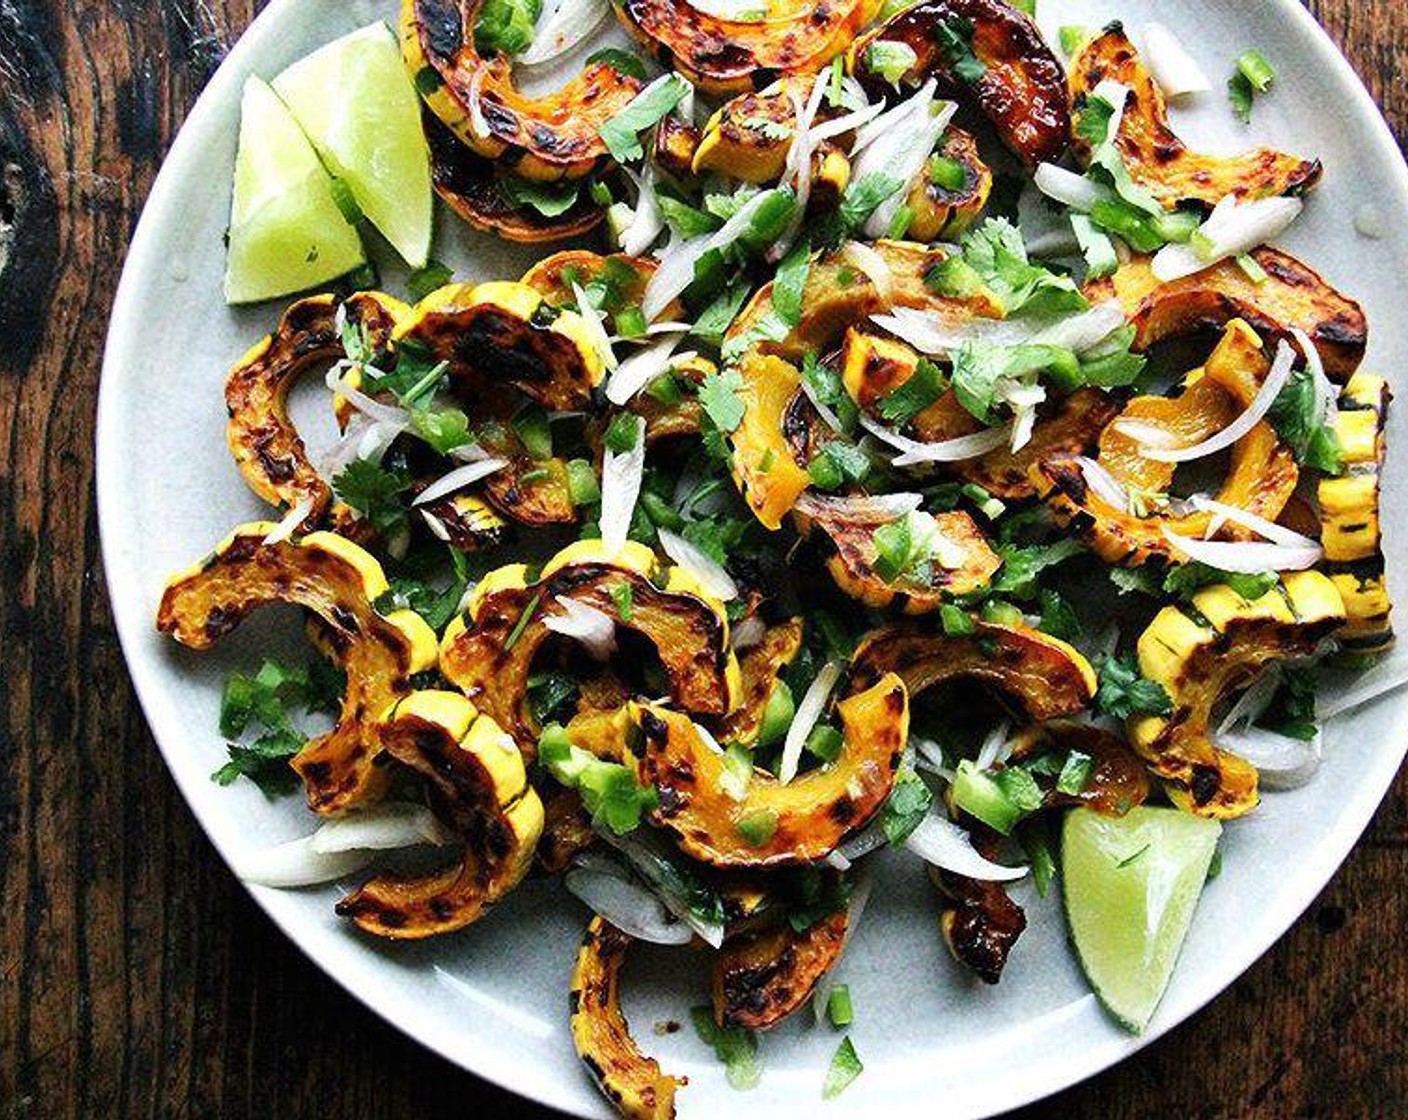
(136, 979)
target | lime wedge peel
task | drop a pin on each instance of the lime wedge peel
(1131, 885)
(357, 105)
(286, 230)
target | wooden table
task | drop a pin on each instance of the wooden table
(138, 979)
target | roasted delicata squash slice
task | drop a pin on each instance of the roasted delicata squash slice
(473, 187)
(963, 561)
(633, 1083)
(261, 435)
(676, 142)
(760, 672)
(339, 582)
(764, 468)
(1199, 655)
(467, 522)
(1044, 676)
(772, 823)
(873, 366)
(951, 192)
(504, 333)
(1349, 513)
(1071, 426)
(1261, 475)
(749, 136)
(1155, 157)
(544, 138)
(761, 978)
(727, 56)
(478, 784)
(979, 922)
(837, 295)
(1022, 88)
(1292, 296)
(488, 651)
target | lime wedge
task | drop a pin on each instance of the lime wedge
(356, 103)
(286, 231)
(1131, 884)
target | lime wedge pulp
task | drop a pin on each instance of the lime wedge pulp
(1131, 884)
(286, 231)
(358, 106)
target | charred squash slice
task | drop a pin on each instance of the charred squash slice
(471, 185)
(761, 978)
(1291, 296)
(728, 56)
(1022, 88)
(468, 523)
(760, 671)
(836, 295)
(1073, 427)
(1261, 477)
(1202, 653)
(749, 136)
(504, 333)
(1118, 779)
(1349, 512)
(676, 141)
(965, 564)
(546, 138)
(874, 365)
(1155, 156)
(262, 437)
(478, 783)
(773, 823)
(944, 211)
(1043, 675)
(979, 922)
(633, 1083)
(340, 583)
(768, 476)
(488, 651)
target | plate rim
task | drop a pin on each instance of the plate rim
(1323, 860)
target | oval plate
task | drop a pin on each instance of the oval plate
(494, 998)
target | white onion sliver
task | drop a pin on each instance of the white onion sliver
(629, 907)
(647, 221)
(1085, 330)
(945, 844)
(1232, 228)
(711, 575)
(828, 417)
(459, 478)
(944, 451)
(1249, 557)
(596, 327)
(621, 475)
(1069, 188)
(892, 118)
(435, 525)
(1172, 67)
(849, 122)
(1142, 432)
(1253, 701)
(562, 29)
(874, 266)
(1265, 397)
(861, 509)
(478, 124)
(676, 270)
(748, 633)
(297, 864)
(1277, 534)
(1325, 406)
(641, 368)
(807, 716)
(1103, 484)
(1385, 677)
(1282, 762)
(938, 333)
(584, 623)
(289, 523)
(646, 860)
(903, 154)
(388, 414)
(384, 827)
(991, 752)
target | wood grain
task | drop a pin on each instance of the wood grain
(136, 979)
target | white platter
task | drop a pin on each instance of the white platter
(493, 999)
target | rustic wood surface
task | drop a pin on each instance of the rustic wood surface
(136, 978)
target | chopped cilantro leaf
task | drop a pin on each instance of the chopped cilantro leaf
(924, 387)
(1123, 692)
(907, 805)
(621, 132)
(718, 394)
(955, 36)
(623, 62)
(374, 492)
(426, 279)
